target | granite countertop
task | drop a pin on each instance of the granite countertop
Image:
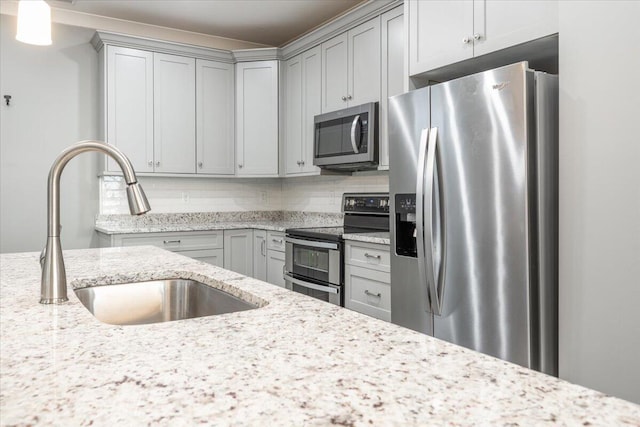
(294, 361)
(379, 238)
(208, 221)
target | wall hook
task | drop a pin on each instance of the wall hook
(7, 98)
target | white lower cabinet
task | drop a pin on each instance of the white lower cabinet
(238, 251)
(260, 254)
(201, 245)
(275, 258)
(367, 279)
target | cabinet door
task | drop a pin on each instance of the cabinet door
(364, 63)
(393, 72)
(275, 268)
(293, 119)
(257, 118)
(215, 139)
(440, 33)
(238, 251)
(368, 292)
(130, 106)
(260, 254)
(311, 104)
(499, 24)
(334, 73)
(174, 113)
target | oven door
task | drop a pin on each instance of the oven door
(311, 259)
(328, 293)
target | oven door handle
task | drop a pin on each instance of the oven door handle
(311, 243)
(302, 283)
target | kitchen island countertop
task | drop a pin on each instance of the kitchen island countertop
(293, 361)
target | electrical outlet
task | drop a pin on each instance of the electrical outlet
(263, 197)
(185, 197)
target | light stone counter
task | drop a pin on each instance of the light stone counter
(379, 238)
(294, 361)
(207, 221)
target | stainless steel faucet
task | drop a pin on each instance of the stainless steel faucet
(53, 287)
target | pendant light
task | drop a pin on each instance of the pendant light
(34, 22)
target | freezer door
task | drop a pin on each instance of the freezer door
(408, 117)
(483, 129)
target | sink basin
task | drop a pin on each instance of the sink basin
(157, 301)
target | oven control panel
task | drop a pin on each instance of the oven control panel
(372, 203)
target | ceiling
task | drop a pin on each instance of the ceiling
(267, 22)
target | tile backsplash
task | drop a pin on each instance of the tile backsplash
(180, 195)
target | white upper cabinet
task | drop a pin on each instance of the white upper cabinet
(498, 24)
(334, 73)
(215, 133)
(364, 63)
(393, 72)
(174, 114)
(302, 99)
(129, 105)
(445, 32)
(293, 115)
(257, 118)
(437, 29)
(351, 67)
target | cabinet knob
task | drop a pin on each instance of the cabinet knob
(150, 162)
(157, 163)
(301, 162)
(466, 40)
(349, 97)
(477, 36)
(240, 166)
(200, 165)
(344, 98)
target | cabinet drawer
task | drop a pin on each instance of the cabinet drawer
(178, 241)
(275, 241)
(368, 292)
(210, 256)
(368, 255)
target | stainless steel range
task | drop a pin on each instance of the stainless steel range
(314, 257)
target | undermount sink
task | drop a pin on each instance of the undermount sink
(157, 301)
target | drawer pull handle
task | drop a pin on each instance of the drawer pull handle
(277, 241)
(372, 294)
(378, 257)
(168, 242)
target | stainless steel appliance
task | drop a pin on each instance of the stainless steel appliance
(347, 139)
(314, 257)
(473, 185)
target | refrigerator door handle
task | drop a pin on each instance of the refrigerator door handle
(420, 240)
(430, 272)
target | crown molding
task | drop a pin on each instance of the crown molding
(339, 25)
(101, 38)
(259, 54)
(350, 19)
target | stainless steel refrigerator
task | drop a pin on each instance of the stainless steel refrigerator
(473, 190)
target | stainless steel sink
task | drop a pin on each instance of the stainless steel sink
(157, 301)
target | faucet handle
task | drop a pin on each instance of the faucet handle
(42, 255)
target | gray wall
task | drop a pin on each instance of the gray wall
(53, 105)
(600, 195)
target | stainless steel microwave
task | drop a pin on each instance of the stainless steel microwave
(347, 139)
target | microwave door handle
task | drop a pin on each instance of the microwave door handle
(304, 284)
(420, 240)
(354, 145)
